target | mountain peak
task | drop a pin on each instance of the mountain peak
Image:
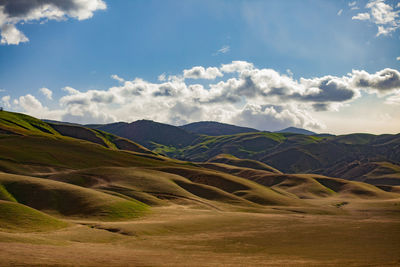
(296, 131)
(214, 128)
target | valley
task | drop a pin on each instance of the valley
(72, 195)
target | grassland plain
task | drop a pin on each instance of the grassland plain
(71, 196)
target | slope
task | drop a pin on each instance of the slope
(147, 133)
(213, 128)
(296, 131)
(68, 200)
(21, 218)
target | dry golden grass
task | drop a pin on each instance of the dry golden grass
(365, 233)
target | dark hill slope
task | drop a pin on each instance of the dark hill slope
(213, 128)
(246, 163)
(99, 137)
(296, 131)
(24, 125)
(295, 153)
(147, 133)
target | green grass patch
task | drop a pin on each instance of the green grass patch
(18, 217)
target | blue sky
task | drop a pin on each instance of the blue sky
(144, 39)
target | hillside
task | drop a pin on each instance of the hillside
(289, 152)
(69, 190)
(213, 128)
(84, 161)
(296, 131)
(149, 133)
(21, 124)
(294, 153)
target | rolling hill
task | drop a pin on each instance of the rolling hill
(296, 131)
(295, 153)
(94, 163)
(71, 190)
(213, 128)
(149, 133)
(328, 155)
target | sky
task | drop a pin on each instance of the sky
(327, 66)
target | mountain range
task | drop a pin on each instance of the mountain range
(357, 154)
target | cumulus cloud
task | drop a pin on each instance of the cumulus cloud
(30, 103)
(236, 66)
(13, 12)
(11, 35)
(362, 16)
(47, 93)
(6, 101)
(199, 72)
(382, 82)
(381, 14)
(275, 117)
(397, 58)
(250, 96)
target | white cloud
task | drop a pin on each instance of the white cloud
(47, 93)
(339, 13)
(11, 35)
(70, 90)
(275, 117)
(382, 82)
(250, 96)
(30, 103)
(117, 78)
(362, 16)
(394, 99)
(6, 101)
(13, 12)
(236, 66)
(223, 50)
(199, 72)
(162, 77)
(353, 6)
(397, 58)
(381, 14)
(352, 3)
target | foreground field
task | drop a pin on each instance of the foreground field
(360, 233)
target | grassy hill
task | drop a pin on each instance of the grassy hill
(18, 217)
(247, 163)
(69, 190)
(77, 172)
(299, 152)
(295, 153)
(149, 133)
(67, 200)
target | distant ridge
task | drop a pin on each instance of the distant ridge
(296, 131)
(214, 128)
(149, 133)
